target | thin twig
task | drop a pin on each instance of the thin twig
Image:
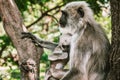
(53, 17)
(44, 14)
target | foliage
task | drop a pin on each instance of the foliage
(105, 23)
(45, 14)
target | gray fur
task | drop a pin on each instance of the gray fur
(89, 50)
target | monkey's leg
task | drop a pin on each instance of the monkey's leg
(58, 73)
(39, 42)
(97, 76)
(71, 75)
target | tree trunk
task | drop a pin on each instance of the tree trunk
(29, 54)
(114, 73)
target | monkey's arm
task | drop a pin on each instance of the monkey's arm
(39, 42)
(46, 44)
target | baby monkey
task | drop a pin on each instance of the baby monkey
(60, 55)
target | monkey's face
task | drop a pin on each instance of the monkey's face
(71, 19)
(64, 43)
(65, 39)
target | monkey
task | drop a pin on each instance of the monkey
(89, 46)
(59, 59)
(60, 55)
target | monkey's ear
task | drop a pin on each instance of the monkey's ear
(80, 12)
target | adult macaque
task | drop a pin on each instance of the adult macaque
(89, 47)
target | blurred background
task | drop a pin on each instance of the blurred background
(41, 18)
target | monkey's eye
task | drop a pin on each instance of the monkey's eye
(80, 12)
(63, 19)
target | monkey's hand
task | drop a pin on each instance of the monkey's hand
(31, 36)
(39, 42)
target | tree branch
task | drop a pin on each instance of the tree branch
(53, 17)
(29, 54)
(44, 14)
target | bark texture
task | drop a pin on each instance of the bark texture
(29, 54)
(114, 73)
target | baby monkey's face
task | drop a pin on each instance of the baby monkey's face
(64, 44)
(65, 39)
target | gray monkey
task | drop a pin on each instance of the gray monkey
(89, 47)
